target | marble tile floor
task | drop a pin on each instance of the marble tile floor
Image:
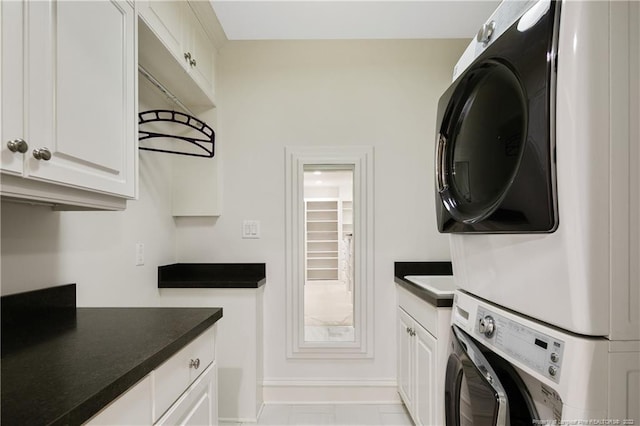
(332, 414)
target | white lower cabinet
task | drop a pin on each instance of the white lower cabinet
(422, 353)
(181, 391)
(417, 369)
(198, 405)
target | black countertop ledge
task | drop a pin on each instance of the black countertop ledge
(62, 364)
(212, 275)
(402, 269)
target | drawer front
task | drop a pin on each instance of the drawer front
(202, 353)
(173, 377)
(131, 408)
(423, 312)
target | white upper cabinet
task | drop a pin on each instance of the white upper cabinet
(200, 52)
(178, 50)
(69, 92)
(13, 144)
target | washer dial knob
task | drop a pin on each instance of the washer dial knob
(487, 326)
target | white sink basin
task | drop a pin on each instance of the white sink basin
(441, 285)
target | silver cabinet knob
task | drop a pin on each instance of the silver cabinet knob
(42, 154)
(18, 145)
(485, 33)
(194, 363)
(487, 326)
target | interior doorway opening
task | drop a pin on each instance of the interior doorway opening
(329, 254)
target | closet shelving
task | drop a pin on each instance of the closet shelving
(322, 220)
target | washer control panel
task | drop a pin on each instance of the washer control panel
(533, 348)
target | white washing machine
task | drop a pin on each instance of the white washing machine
(505, 369)
(539, 186)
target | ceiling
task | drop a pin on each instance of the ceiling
(351, 19)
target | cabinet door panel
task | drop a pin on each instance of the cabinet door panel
(167, 20)
(203, 52)
(12, 84)
(91, 86)
(425, 377)
(405, 358)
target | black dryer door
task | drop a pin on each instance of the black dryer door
(495, 141)
(481, 144)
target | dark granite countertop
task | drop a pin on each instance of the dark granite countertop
(212, 275)
(403, 269)
(61, 366)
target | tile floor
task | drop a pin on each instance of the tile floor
(333, 414)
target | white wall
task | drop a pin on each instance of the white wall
(282, 93)
(96, 250)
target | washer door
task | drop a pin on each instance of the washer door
(483, 389)
(481, 141)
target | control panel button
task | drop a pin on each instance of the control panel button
(554, 357)
(553, 370)
(487, 326)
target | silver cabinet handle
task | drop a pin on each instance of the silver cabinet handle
(18, 145)
(408, 330)
(192, 62)
(187, 56)
(194, 363)
(42, 154)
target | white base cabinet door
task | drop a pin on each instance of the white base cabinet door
(198, 405)
(425, 377)
(406, 354)
(416, 369)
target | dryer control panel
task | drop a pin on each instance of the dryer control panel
(531, 347)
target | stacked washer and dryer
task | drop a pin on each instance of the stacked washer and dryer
(538, 184)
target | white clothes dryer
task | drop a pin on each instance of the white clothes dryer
(538, 159)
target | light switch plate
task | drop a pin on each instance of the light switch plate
(139, 254)
(251, 229)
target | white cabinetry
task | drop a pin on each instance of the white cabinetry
(423, 335)
(178, 45)
(183, 390)
(69, 92)
(178, 50)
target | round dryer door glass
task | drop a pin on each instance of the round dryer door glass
(486, 137)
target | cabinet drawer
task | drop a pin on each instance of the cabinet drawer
(423, 312)
(198, 405)
(173, 377)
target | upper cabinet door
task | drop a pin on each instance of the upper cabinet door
(178, 50)
(12, 107)
(201, 53)
(167, 20)
(81, 97)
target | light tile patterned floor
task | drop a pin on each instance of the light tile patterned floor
(333, 414)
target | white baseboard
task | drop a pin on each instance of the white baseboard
(323, 391)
